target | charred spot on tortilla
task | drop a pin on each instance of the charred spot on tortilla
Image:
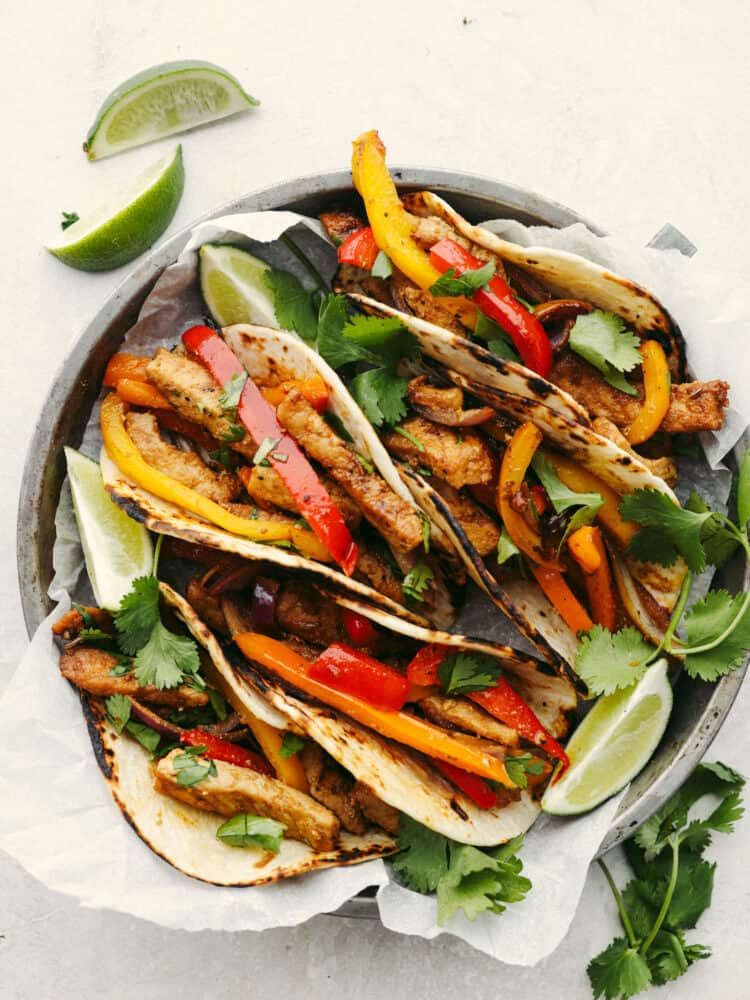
(103, 753)
(541, 387)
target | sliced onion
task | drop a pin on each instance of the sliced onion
(153, 721)
(263, 609)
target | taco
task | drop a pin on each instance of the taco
(262, 746)
(280, 465)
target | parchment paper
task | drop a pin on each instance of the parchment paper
(58, 819)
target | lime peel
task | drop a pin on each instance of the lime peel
(613, 744)
(116, 548)
(121, 229)
(161, 101)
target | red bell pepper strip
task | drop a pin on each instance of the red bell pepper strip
(500, 701)
(259, 417)
(510, 708)
(230, 753)
(472, 785)
(359, 249)
(174, 422)
(356, 673)
(423, 669)
(496, 300)
(360, 630)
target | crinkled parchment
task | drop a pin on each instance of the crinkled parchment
(58, 819)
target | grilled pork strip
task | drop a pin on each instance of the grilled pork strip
(89, 669)
(266, 486)
(306, 614)
(184, 466)
(193, 393)
(388, 513)
(460, 457)
(481, 530)
(334, 788)
(376, 570)
(695, 406)
(459, 713)
(374, 809)
(663, 467)
(234, 790)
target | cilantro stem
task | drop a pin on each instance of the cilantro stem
(674, 842)
(674, 621)
(620, 904)
(157, 553)
(307, 264)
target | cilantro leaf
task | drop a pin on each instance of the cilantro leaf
(165, 658)
(498, 341)
(718, 540)
(506, 547)
(233, 433)
(118, 711)
(290, 745)
(504, 349)
(147, 737)
(461, 673)
(519, 765)
(382, 268)
(560, 496)
(218, 704)
(245, 830)
(68, 218)
(608, 661)
(229, 397)
(191, 771)
(669, 957)
(292, 304)
(423, 855)
(743, 491)
(705, 622)
(678, 529)
(618, 971)
(380, 394)
(479, 881)
(467, 283)
(602, 339)
(417, 580)
(138, 614)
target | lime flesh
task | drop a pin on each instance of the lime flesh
(233, 286)
(116, 548)
(163, 100)
(123, 228)
(613, 743)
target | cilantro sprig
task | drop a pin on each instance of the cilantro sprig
(602, 339)
(463, 877)
(464, 284)
(716, 628)
(462, 673)
(671, 889)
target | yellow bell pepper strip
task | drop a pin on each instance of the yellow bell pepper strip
(580, 480)
(587, 548)
(562, 599)
(142, 394)
(583, 548)
(130, 462)
(657, 393)
(390, 222)
(402, 727)
(516, 461)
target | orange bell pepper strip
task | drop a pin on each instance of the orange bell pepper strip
(580, 480)
(123, 365)
(562, 598)
(516, 461)
(125, 455)
(142, 394)
(402, 727)
(587, 548)
(313, 389)
(657, 393)
(390, 222)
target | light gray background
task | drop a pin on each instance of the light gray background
(633, 114)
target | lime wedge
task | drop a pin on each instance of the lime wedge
(613, 743)
(116, 548)
(233, 286)
(121, 229)
(163, 100)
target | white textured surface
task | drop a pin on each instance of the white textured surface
(633, 115)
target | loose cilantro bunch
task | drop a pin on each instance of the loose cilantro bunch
(374, 344)
(672, 887)
(463, 877)
(716, 629)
